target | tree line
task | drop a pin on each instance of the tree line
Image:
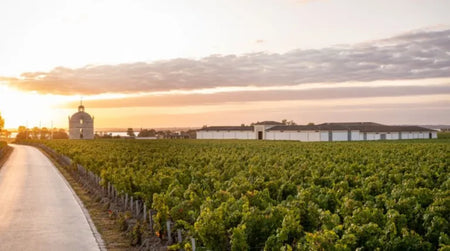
(41, 133)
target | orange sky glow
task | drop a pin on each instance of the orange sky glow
(315, 103)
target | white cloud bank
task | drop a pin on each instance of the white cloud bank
(417, 55)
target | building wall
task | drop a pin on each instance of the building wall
(260, 128)
(314, 136)
(279, 135)
(371, 136)
(361, 136)
(394, 135)
(405, 135)
(88, 133)
(355, 136)
(75, 126)
(299, 135)
(340, 135)
(324, 136)
(305, 136)
(434, 135)
(225, 135)
(245, 134)
(229, 135)
(202, 135)
(302, 135)
(263, 129)
(217, 135)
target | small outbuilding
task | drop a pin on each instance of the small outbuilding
(81, 125)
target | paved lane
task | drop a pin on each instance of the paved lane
(38, 210)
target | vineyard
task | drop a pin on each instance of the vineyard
(254, 195)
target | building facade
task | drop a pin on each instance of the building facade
(81, 125)
(354, 131)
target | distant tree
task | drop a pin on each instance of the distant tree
(22, 129)
(2, 122)
(130, 132)
(60, 134)
(147, 133)
(44, 133)
(310, 123)
(35, 132)
(192, 134)
(104, 136)
(7, 133)
(163, 134)
(23, 133)
(286, 122)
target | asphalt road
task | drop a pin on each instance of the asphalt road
(38, 210)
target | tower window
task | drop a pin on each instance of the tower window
(81, 121)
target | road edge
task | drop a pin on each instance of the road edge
(98, 237)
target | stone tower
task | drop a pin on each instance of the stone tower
(81, 125)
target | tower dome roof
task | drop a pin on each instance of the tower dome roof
(81, 124)
(81, 115)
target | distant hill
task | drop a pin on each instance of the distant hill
(138, 129)
(436, 127)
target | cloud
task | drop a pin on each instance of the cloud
(416, 55)
(195, 99)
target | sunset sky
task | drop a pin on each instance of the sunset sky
(178, 63)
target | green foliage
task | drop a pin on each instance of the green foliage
(253, 195)
(239, 238)
(136, 233)
(174, 247)
(2, 122)
(122, 220)
(290, 232)
(443, 135)
(3, 145)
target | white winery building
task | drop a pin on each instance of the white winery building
(353, 131)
